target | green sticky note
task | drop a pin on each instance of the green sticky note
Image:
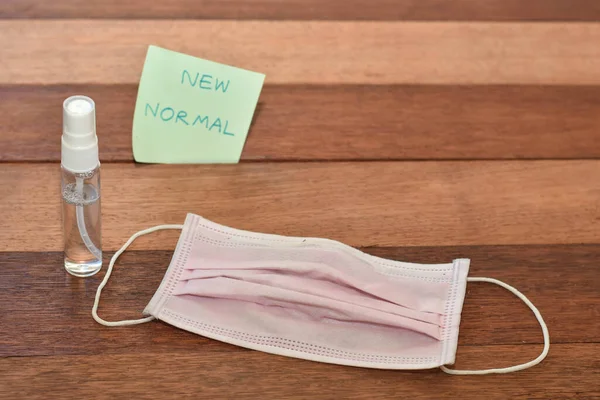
(191, 110)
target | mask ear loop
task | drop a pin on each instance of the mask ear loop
(109, 271)
(516, 367)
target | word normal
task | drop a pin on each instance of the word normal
(168, 114)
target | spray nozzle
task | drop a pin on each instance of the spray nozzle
(79, 121)
(79, 141)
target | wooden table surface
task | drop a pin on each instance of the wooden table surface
(415, 130)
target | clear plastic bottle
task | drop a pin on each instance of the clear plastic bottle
(80, 188)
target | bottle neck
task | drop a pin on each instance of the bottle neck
(79, 159)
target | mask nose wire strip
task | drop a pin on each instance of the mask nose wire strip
(109, 271)
(516, 367)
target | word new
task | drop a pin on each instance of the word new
(168, 114)
(204, 82)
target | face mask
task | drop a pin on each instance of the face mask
(314, 299)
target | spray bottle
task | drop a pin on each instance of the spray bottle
(80, 167)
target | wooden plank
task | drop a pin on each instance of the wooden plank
(363, 204)
(342, 122)
(113, 51)
(562, 281)
(425, 10)
(570, 371)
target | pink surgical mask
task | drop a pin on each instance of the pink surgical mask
(314, 299)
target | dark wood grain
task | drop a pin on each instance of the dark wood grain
(41, 305)
(361, 204)
(417, 10)
(343, 122)
(569, 372)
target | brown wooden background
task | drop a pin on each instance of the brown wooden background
(419, 130)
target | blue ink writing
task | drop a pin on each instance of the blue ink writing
(207, 81)
(184, 73)
(180, 116)
(216, 123)
(223, 86)
(204, 82)
(201, 119)
(162, 113)
(225, 130)
(154, 112)
(209, 123)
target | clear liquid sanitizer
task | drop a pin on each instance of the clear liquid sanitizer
(80, 184)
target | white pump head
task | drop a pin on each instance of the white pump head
(79, 140)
